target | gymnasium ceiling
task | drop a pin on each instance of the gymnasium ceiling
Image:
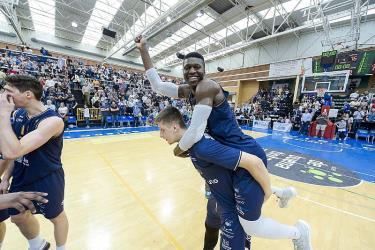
(212, 27)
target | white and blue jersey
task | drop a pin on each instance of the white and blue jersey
(40, 170)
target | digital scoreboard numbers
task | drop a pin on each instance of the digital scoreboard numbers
(348, 60)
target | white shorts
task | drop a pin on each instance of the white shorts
(321, 127)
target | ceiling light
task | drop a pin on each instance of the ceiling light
(74, 24)
(200, 13)
(169, 18)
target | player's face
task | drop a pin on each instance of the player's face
(168, 132)
(193, 70)
(19, 98)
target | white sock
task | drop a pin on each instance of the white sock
(60, 247)
(36, 242)
(269, 229)
(277, 191)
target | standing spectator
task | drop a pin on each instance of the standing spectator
(63, 111)
(104, 110)
(86, 94)
(357, 119)
(86, 116)
(321, 122)
(114, 112)
(305, 120)
(341, 126)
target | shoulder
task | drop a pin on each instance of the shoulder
(207, 87)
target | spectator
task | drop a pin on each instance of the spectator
(341, 128)
(86, 94)
(114, 113)
(305, 122)
(321, 122)
(50, 105)
(104, 110)
(371, 115)
(358, 118)
(63, 111)
(86, 116)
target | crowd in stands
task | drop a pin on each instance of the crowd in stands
(70, 84)
(276, 105)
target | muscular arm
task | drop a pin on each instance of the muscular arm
(11, 148)
(205, 95)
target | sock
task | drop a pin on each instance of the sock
(36, 242)
(277, 191)
(269, 229)
(210, 238)
(60, 247)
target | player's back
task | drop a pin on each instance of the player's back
(223, 127)
(42, 161)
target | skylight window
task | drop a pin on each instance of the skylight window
(102, 16)
(43, 15)
(149, 16)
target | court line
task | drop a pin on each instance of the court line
(148, 211)
(337, 209)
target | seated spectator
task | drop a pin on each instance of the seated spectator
(321, 122)
(358, 116)
(50, 105)
(354, 95)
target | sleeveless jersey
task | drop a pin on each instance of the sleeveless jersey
(43, 160)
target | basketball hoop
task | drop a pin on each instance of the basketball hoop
(320, 92)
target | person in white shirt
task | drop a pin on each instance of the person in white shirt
(305, 122)
(354, 96)
(341, 129)
(49, 105)
(63, 111)
(86, 116)
(357, 117)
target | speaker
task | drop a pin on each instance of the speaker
(180, 56)
(220, 69)
(109, 33)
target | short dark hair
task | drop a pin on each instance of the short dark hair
(170, 114)
(25, 83)
(194, 55)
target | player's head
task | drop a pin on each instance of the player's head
(171, 124)
(23, 89)
(193, 68)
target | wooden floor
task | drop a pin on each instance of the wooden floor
(130, 192)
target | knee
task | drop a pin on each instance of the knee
(60, 218)
(20, 218)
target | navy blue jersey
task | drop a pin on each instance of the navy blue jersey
(42, 161)
(218, 165)
(223, 127)
(217, 176)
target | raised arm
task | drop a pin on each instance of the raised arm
(164, 88)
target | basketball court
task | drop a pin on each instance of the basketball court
(126, 190)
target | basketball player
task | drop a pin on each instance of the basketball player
(240, 197)
(31, 147)
(211, 109)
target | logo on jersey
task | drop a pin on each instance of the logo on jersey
(214, 181)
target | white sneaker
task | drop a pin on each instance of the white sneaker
(303, 242)
(45, 246)
(288, 194)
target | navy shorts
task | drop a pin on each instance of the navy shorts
(54, 185)
(232, 234)
(249, 198)
(4, 215)
(213, 213)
